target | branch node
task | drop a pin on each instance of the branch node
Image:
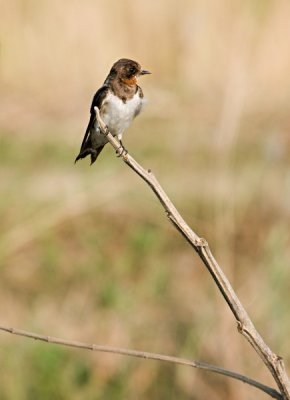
(201, 242)
(239, 327)
(243, 330)
(277, 359)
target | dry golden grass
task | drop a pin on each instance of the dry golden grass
(86, 252)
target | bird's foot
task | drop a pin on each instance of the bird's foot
(121, 151)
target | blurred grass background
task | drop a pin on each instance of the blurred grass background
(86, 252)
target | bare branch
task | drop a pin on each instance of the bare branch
(245, 326)
(147, 355)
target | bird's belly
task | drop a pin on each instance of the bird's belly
(118, 115)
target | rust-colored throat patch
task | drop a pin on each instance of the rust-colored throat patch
(131, 81)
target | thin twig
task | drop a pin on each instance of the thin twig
(245, 326)
(147, 355)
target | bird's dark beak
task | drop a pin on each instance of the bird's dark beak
(144, 72)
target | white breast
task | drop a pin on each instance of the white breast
(119, 115)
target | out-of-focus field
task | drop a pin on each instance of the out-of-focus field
(86, 252)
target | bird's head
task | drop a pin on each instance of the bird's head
(127, 71)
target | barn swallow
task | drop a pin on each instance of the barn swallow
(119, 100)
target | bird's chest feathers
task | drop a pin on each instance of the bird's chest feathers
(117, 114)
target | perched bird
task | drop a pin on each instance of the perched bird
(119, 100)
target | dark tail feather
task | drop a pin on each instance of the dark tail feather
(93, 152)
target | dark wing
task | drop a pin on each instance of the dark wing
(141, 94)
(99, 98)
(97, 102)
(138, 109)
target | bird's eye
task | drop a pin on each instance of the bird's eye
(132, 70)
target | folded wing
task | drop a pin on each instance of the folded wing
(88, 146)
